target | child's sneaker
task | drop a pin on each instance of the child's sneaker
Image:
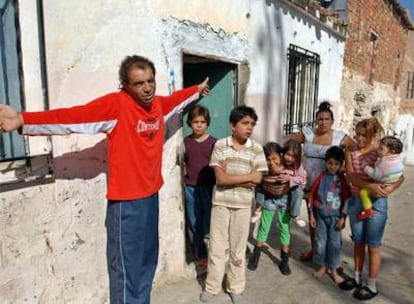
(301, 223)
(284, 263)
(256, 216)
(206, 240)
(254, 258)
(365, 214)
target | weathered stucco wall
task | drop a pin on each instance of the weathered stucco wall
(405, 131)
(53, 236)
(361, 99)
(53, 244)
(52, 241)
(405, 123)
(230, 16)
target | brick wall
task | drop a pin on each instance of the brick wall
(373, 64)
(375, 16)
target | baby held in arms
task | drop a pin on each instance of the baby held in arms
(387, 170)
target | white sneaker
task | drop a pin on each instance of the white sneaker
(206, 240)
(256, 217)
(301, 223)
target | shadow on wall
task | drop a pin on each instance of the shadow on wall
(271, 49)
(84, 164)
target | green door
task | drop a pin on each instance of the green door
(221, 99)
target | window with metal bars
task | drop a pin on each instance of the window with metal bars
(22, 54)
(410, 85)
(303, 82)
(11, 144)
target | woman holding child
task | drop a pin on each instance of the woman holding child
(316, 141)
(367, 232)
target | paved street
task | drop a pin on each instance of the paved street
(267, 285)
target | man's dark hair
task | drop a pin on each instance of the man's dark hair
(336, 153)
(392, 143)
(239, 112)
(135, 61)
(198, 110)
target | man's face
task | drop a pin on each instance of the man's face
(141, 85)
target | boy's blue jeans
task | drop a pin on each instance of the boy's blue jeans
(328, 242)
(132, 249)
(198, 210)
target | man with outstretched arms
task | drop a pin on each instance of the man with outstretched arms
(133, 120)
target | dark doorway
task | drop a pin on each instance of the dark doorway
(220, 102)
(223, 82)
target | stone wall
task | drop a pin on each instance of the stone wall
(375, 16)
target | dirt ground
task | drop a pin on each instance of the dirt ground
(267, 285)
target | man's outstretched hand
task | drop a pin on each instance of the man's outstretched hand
(204, 88)
(10, 119)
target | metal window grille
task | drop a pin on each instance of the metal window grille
(18, 160)
(11, 144)
(303, 82)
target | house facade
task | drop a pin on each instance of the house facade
(281, 57)
(375, 49)
(405, 123)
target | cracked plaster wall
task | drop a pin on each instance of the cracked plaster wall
(360, 100)
(52, 243)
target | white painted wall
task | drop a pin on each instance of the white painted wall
(52, 241)
(405, 131)
(272, 28)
